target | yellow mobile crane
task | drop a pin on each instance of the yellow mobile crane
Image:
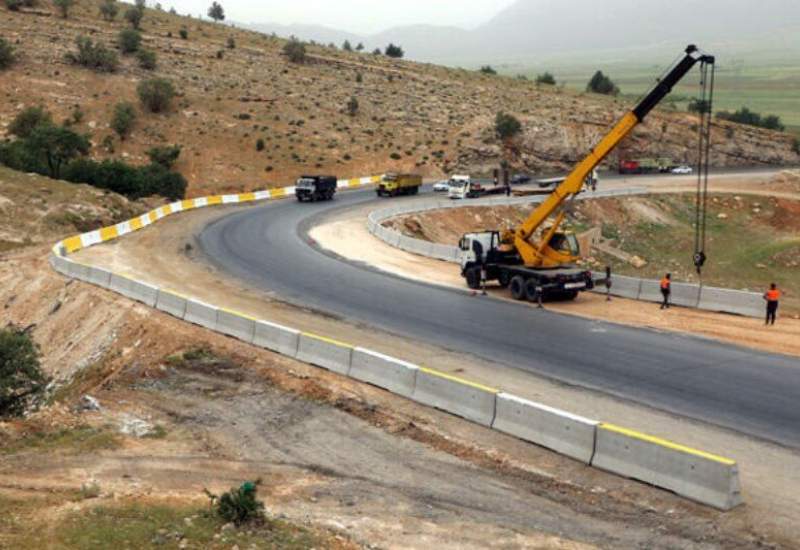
(536, 259)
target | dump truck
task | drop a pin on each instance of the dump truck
(537, 259)
(646, 166)
(392, 185)
(315, 188)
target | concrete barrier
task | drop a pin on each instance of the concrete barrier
(749, 304)
(277, 338)
(79, 271)
(560, 431)
(650, 291)
(385, 372)
(99, 277)
(454, 395)
(135, 290)
(625, 287)
(685, 294)
(171, 303)
(201, 314)
(324, 352)
(60, 264)
(237, 325)
(697, 475)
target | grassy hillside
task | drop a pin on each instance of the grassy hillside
(410, 116)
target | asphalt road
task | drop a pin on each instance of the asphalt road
(748, 391)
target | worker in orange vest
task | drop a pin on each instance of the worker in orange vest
(772, 296)
(666, 290)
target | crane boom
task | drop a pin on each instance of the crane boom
(534, 255)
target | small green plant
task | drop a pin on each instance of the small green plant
(506, 126)
(165, 156)
(7, 56)
(602, 84)
(75, 117)
(156, 94)
(13, 5)
(25, 122)
(347, 46)
(231, 43)
(123, 119)
(488, 69)
(146, 59)
(394, 51)
(109, 10)
(184, 33)
(21, 377)
(260, 145)
(94, 56)
(129, 40)
(359, 78)
(352, 106)
(295, 51)
(64, 6)
(546, 78)
(239, 506)
(134, 16)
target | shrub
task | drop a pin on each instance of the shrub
(21, 377)
(394, 51)
(24, 123)
(64, 6)
(109, 10)
(216, 12)
(131, 181)
(487, 69)
(13, 5)
(360, 47)
(134, 16)
(295, 51)
(238, 506)
(129, 40)
(359, 78)
(184, 33)
(164, 156)
(123, 119)
(231, 43)
(347, 46)
(751, 118)
(699, 106)
(546, 78)
(7, 57)
(601, 84)
(94, 56)
(57, 145)
(156, 94)
(157, 180)
(147, 59)
(377, 51)
(260, 145)
(796, 145)
(352, 106)
(507, 126)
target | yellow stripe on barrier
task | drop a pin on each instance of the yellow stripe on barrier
(459, 380)
(278, 193)
(328, 340)
(166, 209)
(136, 224)
(247, 197)
(355, 182)
(238, 314)
(187, 204)
(73, 244)
(666, 443)
(215, 199)
(375, 179)
(108, 233)
(153, 216)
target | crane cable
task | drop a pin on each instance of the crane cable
(703, 163)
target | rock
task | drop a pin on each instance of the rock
(89, 403)
(638, 262)
(756, 210)
(761, 266)
(722, 216)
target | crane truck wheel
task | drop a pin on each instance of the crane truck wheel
(473, 276)
(504, 279)
(517, 287)
(531, 292)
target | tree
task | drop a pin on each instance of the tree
(58, 145)
(64, 6)
(146, 59)
(751, 118)
(24, 123)
(352, 106)
(506, 126)
(7, 57)
(360, 47)
(394, 51)
(134, 16)
(546, 78)
(295, 51)
(164, 156)
(773, 122)
(129, 40)
(601, 84)
(231, 43)
(21, 376)
(346, 46)
(13, 5)
(156, 94)
(377, 51)
(184, 33)
(216, 12)
(487, 69)
(94, 56)
(123, 119)
(699, 106)
(109, 10)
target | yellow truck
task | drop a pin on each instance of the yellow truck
(392, 185)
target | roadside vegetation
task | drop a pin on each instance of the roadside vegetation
(22, 380)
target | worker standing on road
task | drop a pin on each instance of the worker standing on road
(666, 290)
(772, 296)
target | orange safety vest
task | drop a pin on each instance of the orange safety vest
(773, 295)
(665, 284)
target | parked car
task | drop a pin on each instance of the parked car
(518, 179)
(442, 186)
(682, 170)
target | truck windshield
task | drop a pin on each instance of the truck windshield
(305, 183)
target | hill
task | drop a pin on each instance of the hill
(410, 116)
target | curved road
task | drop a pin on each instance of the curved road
(748, 391)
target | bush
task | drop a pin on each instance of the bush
(184, 33)
(260, 145)
(216, 12)
(239, 506)
(377, 51)
(109, 10)
(13, 5)
(57, 145)
(7, 57)
(164, 156)
(129, 40)
(21, 376)
(699, 106)
(796, 145)
(352, 106)
(394, 51)
(64, 6)
(601, 84)
(134, 16)
(147, 59)
(24, 123)
(347, 46)
(751, 118)
(546, 78)
(487, 69)
(94, 56)
(131, 181)
(295, 51)
(156, 94)
(231, 43)
(507, 126)
(123, 119)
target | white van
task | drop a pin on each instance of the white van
(460, 187)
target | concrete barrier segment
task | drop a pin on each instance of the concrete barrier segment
(386, 372)
(277, 338)
(99, 277)
(135, 290)
(457, 396)
(172, 303)
(563, 432)
(236, 324)
(324, 352)
(200, 313)
(749, 304)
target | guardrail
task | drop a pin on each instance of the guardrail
(738, 302)
(694, 474)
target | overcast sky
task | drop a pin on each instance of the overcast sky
(359, 16)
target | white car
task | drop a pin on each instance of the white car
(682, 170)
(441, 186)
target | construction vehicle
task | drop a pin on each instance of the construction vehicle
(315, 188)
(463, 187)
(537, 259)
(392, 185)
(646, 166)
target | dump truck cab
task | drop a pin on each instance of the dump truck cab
(461, 187)
(315, 188)
(393, 184)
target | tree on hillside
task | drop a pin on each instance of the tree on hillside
(134, 16)
(487, 69)
(377, 51)
(506, 126)
(129, 40)
(123, 119)
(394, 51)
(24, 123)
(346, 46)
(295, 51)
(165, 156)
(21, 376)
(156, 94)
(7, 57)
(546, 78)
(58, 145)
(699, 106)
(360, 47)
(64, 6)
(601, 84)
(109, 10)
(216, 12)
(94, 56)
(751, 118)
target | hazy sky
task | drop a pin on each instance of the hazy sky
(360, 16)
